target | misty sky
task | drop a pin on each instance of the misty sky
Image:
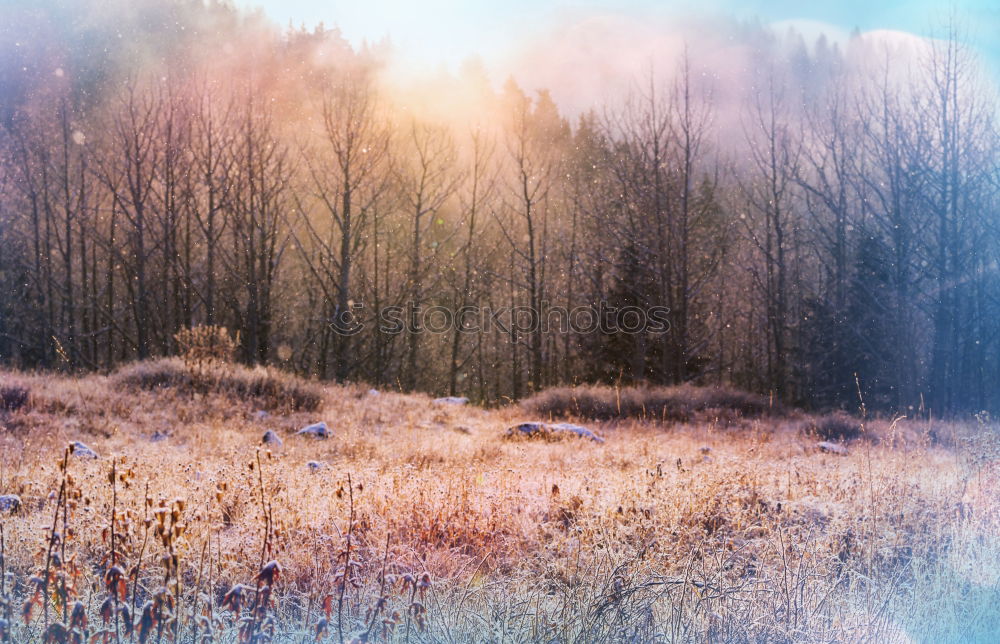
(432, 32)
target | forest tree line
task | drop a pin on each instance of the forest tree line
(825, 232)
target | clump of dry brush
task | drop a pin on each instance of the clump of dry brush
(13, 397)
(680, 404)
(205, 365)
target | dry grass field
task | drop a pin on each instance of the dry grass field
(422, 521)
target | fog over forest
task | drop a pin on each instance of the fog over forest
(811, 218)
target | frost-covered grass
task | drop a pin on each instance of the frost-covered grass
(736, 531)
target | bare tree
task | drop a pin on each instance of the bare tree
(480, 190)
(213, 158)
(258, 202)
(957, 165)
(428, 180)
(770, 220)
(534, 136)
(128, 170)
(348, 174)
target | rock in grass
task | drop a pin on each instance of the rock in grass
(271, 438)
(80, 450)
(316, 430)
(10, 503)
(578, 430)
(831, 448)
(451, 400)
(552, 431)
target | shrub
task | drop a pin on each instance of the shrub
(13, 397)
(265, 387)
(272, 389)
(205, 345)
(154, 374)
(682, 403)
